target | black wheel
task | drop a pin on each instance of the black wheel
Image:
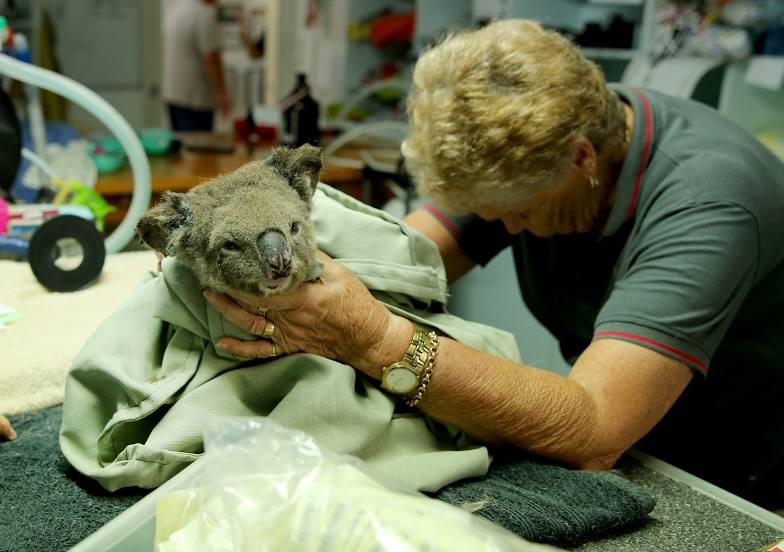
(45, 251)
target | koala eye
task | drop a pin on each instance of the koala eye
(295, 226)
(230, 246)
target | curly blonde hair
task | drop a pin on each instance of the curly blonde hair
(496, 113)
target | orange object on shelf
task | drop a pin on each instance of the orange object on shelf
(391, 28)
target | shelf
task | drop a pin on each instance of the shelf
(616, 2)
(609, 53)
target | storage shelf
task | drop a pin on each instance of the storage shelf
(609, 53)
(616, 2)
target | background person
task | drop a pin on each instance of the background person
(193, 84)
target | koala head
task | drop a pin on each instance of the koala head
(248, 230)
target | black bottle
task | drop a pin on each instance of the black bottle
(300, 115)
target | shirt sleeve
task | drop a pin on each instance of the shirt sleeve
(208, 32)
(479, 239)
(684, 282)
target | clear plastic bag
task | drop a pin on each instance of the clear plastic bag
(264, 487)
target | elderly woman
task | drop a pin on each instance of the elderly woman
(647, 236)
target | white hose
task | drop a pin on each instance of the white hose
(108, 115)
(38, 162)
(366, 91)
(379, 128)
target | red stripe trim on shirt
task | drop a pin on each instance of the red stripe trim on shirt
(681, 354)
(430, 208)
(645, 151)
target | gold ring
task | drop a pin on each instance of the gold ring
(261, 311)
(269, 330)
(274, 351)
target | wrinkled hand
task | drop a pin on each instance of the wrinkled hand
(334, 317)
(6, 431)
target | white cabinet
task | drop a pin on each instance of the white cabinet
(754, 107)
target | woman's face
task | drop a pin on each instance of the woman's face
(570, 206)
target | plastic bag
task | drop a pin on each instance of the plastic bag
(265, 487)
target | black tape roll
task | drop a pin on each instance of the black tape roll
(43, 253)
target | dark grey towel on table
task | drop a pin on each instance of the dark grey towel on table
(46, 505)
(547, 503)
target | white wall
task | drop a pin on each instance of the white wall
(113, 47)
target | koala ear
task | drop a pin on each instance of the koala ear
(161, 226)
(301, 167)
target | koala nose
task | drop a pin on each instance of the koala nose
(275, 254)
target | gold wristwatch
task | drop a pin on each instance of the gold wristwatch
(405, 376)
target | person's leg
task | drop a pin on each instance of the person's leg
(202, 120)
(176, 117)
(185, 119)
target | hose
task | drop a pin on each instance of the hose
(111, 118)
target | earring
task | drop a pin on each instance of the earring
(594, 182)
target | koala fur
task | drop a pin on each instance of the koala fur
(248, 230)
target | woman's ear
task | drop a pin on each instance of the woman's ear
(585, 158)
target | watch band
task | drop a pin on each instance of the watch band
(427, 374)
(419, 359)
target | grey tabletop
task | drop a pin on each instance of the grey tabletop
(690, 515)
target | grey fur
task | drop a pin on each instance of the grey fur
(215, 228)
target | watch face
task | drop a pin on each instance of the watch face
(400, 380)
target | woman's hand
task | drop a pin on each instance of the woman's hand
(334, 317)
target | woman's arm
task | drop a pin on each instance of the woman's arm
(455, 260)
(615, 394)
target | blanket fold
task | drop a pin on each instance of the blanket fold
(141, 388)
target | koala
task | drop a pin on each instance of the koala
(248, 230)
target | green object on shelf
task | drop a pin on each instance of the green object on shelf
(108, 144)
(108, 162)
(82, 195)
(389, 94)
(333, 108)
(358, 113)
(156, 141)
(107, 153)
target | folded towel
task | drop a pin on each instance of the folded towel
(547, 503)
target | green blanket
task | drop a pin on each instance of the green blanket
(142, 387)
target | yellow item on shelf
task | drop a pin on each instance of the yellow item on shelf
(73, 192)
(774, 140)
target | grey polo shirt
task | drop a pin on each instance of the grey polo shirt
(690, 262)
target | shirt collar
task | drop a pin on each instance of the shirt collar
(627, 190)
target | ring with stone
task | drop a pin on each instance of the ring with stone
(261, 311)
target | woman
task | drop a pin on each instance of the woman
(646, 232)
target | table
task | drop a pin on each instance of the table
(690, 514)
(181, 171)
